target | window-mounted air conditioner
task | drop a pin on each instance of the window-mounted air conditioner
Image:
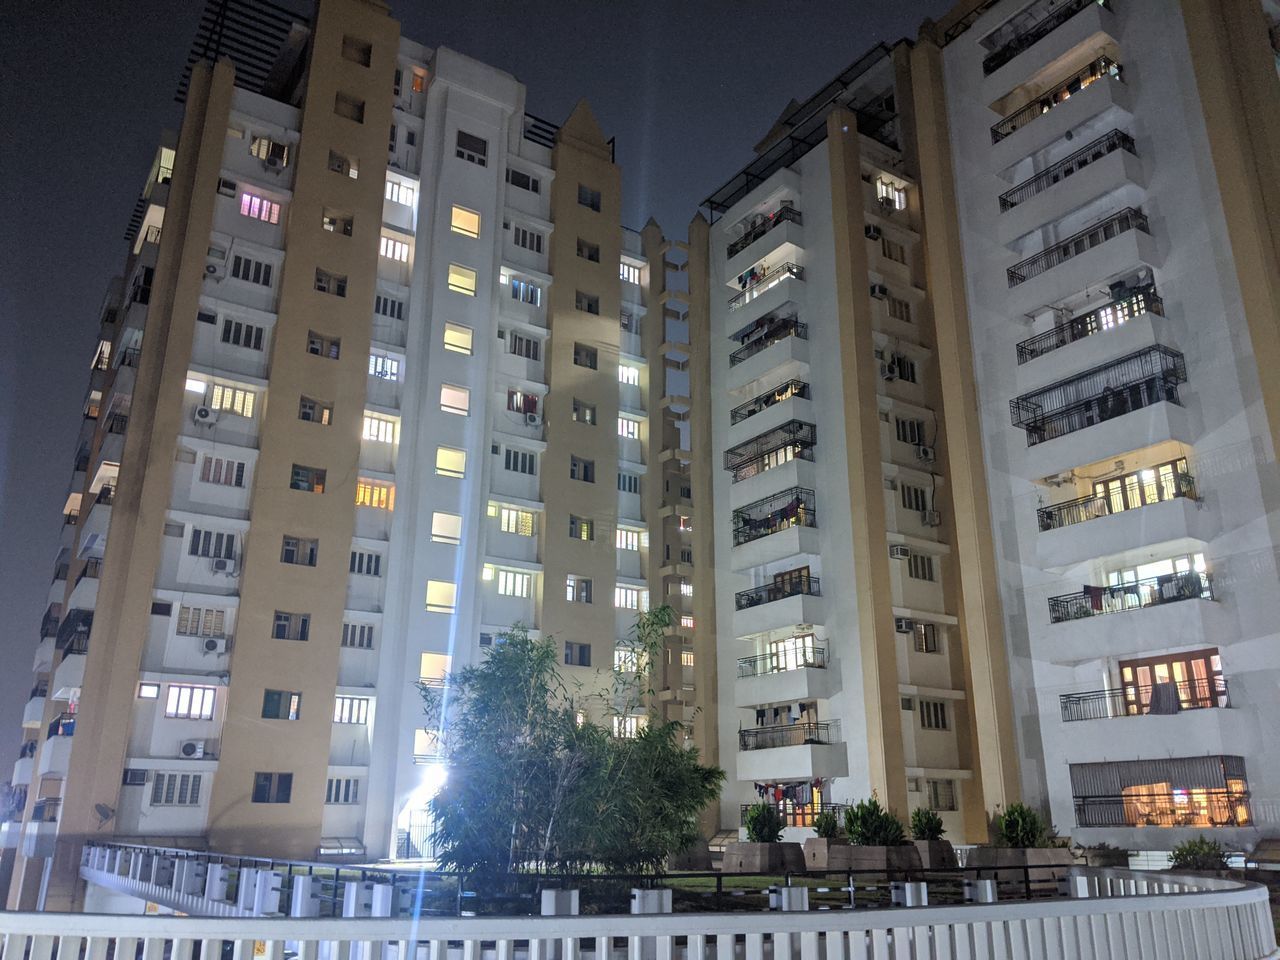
(898, 551)
(903, 625)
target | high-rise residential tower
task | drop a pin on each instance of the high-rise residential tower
(385, 374)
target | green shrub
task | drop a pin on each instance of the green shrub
(870, 825)
(1021, 827)
(764, 823)
(926, 824)
(826, 825)
(1198, 854)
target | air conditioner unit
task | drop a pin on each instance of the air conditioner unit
(924, 453)
(887, 204)
(134, 777)
(216, 645)
(533, 419)
(931, 518)
(903, 625)
(879, 291)
(273, 163)
(224, 565)
(205, 415)
(888, 371)
(898, 551)
(192, 749)
(872, 232)
(215, 271)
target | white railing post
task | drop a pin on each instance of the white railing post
(303, 898)
(980, 891)
(357, 898)
(266, 895)
(215, 882)
(246, 889)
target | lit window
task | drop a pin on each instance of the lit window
(488, 572)
(380, 429)
(686, 588)
(384, 367)
(394, 249)
(686, 658)
(351, 710)
(259, 208)
(512, 583)
(628, 539)
(628, 428)
(375, 493)
(628, 375)
(686, 622)
(628, 728)
(465, 222)
(462, 280)
(446, 527)
(629, 272)
(188, 702)
(232, 400)
(442, 596)
(626, 598)
(455, 399)
(195, 386)
(398, 192)
(577, 589)
(526, 291)
(149, 691)
(891, 194)
(519, 522)
(457, 338)
(451, 462)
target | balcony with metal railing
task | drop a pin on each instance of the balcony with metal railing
(762, 337)
(788, 735)
(1102, 319)
(796, 507)
(785, 213)
(783, 661)
(1095, 506)
(780, 589)
(784, 234)
(1037, 31)
(1095, 601)
(1066, 167)
(791, 440)
(757, 404)
(1101, 69)
(756, 283)
(1197, 808)
(1157, 699)
(797, 814)
(1092, 236)
(1145, 377)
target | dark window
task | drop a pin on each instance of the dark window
(345, 105)
(309, 479)
(522, 180)
(281, 705)
(577, 654)
(272, 787)
(588, 197)
(580, 469)
(291, 626)
(357, 51)
(299, 551)
(472, 149)
(588, 251)
(587, 303)
(585, 356)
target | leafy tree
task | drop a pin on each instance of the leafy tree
(1022, 827)
(763, 823)
(870, 825)
(926, 824)
(1198, 854)
(534, 786)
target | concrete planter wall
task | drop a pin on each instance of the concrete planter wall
(696, 857)
(1007, 863)
(744, 857)
(900, 858)
(936, 854)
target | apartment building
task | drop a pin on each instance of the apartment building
(362, 401)
(1105, 176)
(856, 650)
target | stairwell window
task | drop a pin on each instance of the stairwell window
(385, 306)
(920, 566)
(300, 551)
(940, 795)
(513, 583)
(272, 788)
(521, 461)
(251, 271)
(315, 411)
(462, 280)
(629, 273)
(527, 239)
(628, 482)
(628, 429)
(905, 367)
(400, 192)
(913, 498)
(585, 356)
(455, 399)
(518, 178)
(340, 790)
(378, 429)
(528, 347)
(365, 563)
(446, 528)
(582, 469)
(228, 473)
(442, 596)
(175, 790)
(465, 222)
(331, 283)
(259, 208)
(451, 462)
(188, 702)
(351, 710)
(396, 250)
(628, 539)
(910, 430)
(281, 705)
(201, 622)
(345, 105)
(589, 198)
(628, 375)
(892, 250)
(458, 338)
(376, 494)
(898, 309)
(926, 638)
(933, 715)
(519, 522)
(359, 635)
(291, 626)
(577, 589)
(626, 598)
(472, 149)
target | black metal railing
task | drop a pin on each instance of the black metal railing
(1110, 316)
(796, 507)
(49, 622)
(1095, 505)
(60, 573)
(92, 569)
(782, 662)
(1042, 181)
(797, 815)
(63, 725)
(784, 391)
(39, 690)
(780, 330)
(788, 735)
(1106, 406)
(783, 214)
(1210, 692)
(1097, 70)
(76, 621)
(1036, 32)
(106, 494)
(778, 590)
(118, 423)
(78, 644)
(70, 518)
(46, 810)
(761, 282)
(1190, 807)
(1092, 236)
(539, 131)
(793, 439)
(1095, 601)
(130, 357)
(82, 463)
(27, 750)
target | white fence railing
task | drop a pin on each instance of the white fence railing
(1106, 915)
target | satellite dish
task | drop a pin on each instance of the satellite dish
(104, 813)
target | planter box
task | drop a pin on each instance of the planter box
(1043, 864)
(1106, 858)
(899, 859)
(936, 854)
(743, 857)
(817, 852)
(695, 857)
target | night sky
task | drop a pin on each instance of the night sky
(686, 86)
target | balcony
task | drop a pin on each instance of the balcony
(777, 236)
(24, 768)
(793, 439)
(1033, 34)
(1042, 181)
(68, 676)
(49, 623)
(784, 214)
(1158, 700)
(1141, 379)
(782, 511)
(33, 710)
(1136, 595)
(797, 815)
(1196, 791)
(756, 284)
(1101, 320)
(788, 735)
(784, 391)
(797, 751)
(1064, 250)
(785, 677)
(40, 832)
(43, 659)
(55, 755)
(764, 334)
(1102, 68)
(1096, 506)
(785, 586)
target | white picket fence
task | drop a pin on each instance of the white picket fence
(1111, 915)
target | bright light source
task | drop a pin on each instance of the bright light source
(194, 385)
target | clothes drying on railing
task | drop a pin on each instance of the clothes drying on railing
(1164, 698)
